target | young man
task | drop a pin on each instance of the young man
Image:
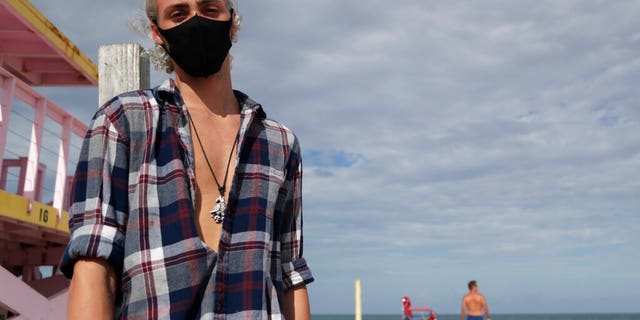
(474, 304)
(168, 226)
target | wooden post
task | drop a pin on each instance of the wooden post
(121, 68)
(358, 300)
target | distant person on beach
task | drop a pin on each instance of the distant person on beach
(187, 200)
(406, 308)
(473, 304)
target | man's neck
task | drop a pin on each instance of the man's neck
(214, 93)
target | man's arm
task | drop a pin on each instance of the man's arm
(295, 271)
(92, 291)
(296, 303)
(486, 308)
(464, 310)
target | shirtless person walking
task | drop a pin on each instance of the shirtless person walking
(473, 304)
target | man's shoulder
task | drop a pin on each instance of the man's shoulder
(478, 296)
(129, 111)
(144, 99)
(132, 104)
(278, 130)
(275, 131)
(276, 125)
(130, 100)
(472, 295)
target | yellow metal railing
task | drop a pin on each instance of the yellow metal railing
(22, 209)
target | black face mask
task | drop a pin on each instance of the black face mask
(199, 45)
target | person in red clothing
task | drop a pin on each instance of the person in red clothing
(422, 312)
(406, 305)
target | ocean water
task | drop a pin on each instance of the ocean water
(635, 316)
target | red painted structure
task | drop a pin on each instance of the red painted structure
(37, 157)
(423, 313)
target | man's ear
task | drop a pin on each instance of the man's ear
(235, 26)
(155, 34)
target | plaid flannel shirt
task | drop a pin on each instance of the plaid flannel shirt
(133, 205)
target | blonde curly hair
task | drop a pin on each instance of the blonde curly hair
(158, 55)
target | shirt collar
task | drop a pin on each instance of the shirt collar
(168, 92)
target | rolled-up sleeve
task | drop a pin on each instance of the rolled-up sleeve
(99, 198)
(295, 270)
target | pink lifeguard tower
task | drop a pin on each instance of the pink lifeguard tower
(39, 144)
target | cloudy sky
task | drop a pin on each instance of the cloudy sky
(443, 141)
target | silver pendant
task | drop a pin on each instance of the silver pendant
(217, 213)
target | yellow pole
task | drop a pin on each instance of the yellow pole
(358, 300)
